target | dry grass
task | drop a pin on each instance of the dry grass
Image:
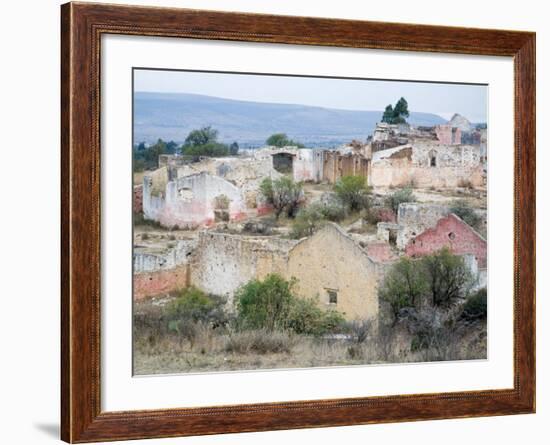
(211, 351)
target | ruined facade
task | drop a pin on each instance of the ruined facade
(192, 201)
(453, 233)
(428, 164)
(336, 165)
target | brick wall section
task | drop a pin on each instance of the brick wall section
(149, 284)
(453, 233)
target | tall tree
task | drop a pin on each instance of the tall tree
(388, 115)
(397, 114)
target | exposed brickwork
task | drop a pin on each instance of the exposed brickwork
(160, 282)
(453, 233)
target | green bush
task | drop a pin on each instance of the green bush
(306, 317)
(476, 306)
(194, 305)
(264, 304)
(271, 305)
(399, 197)
(353, 192)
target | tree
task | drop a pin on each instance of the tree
(282, 140)
(397, 114)
(401, 111)
(265, 304)
(387, 117)
(448, 277)
(202, 136)
(283, 194)
(404, 286)
(353, 192)
(210, 149)
(171, 147)
(204, 142)
(234, 149)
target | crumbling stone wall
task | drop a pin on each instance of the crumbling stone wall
(336, 165)
(223, 262)
(160, 271)
(426, 163)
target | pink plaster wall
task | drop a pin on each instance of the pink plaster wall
(453, 233)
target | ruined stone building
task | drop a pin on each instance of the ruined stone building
(332, 268)
(453, 233)
(191, 201)
(426, 163)
(329, 266)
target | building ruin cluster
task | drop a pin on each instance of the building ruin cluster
(212, 199)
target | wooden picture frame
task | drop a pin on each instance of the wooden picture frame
(82, 26)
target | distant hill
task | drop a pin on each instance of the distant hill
(172, 116)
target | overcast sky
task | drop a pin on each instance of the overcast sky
(347, 94)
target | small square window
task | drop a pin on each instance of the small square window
(332, 296)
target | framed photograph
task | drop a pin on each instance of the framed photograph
(275, 222)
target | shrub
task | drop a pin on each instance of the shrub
(467, 214)
(259, 341)
(353, 192)
(359, 330)
(475, 307)
(264, 304)
(283, 194)
(398, 197)
(306, 317)
(193, 305)
(311, 218)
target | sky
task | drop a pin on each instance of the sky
(443, 99)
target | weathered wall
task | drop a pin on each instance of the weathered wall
(380, 252)
(137, 199)
(455, 166)
(447, 134)
(331, 260)
(453, 233)
(149, 284)
(224, 262)
(158, 271)
(190, 201)
(414, 218)
(336, 165)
